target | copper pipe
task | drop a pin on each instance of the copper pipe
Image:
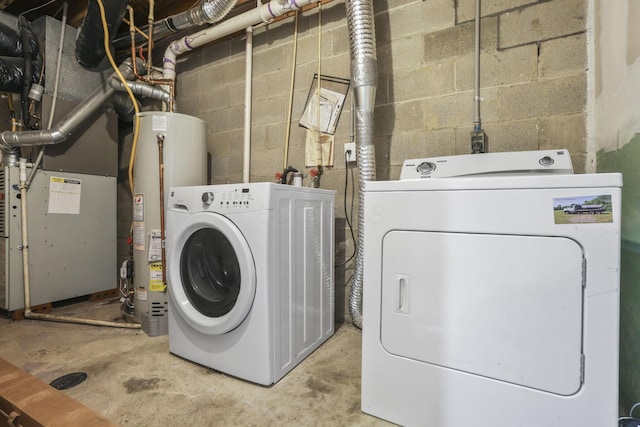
(150, 46)
(167, 82)
(137, 30)
(162, 234)
(12, 113)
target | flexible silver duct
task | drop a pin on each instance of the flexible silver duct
(143, 89)
(206, 12)
(364, 80)
(63, 129)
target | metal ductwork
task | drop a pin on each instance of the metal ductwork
(90, 51)
(143, 89)
(205, 12)
(364, 80)
(66, 127)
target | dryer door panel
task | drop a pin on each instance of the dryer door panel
(499, 306)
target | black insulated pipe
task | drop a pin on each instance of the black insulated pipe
(10, 41)
(11, 74)
(11, 58)
(30, 53)
(90, 51)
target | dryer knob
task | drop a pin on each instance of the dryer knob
(546, 161)
(426, 167)
(207, 197)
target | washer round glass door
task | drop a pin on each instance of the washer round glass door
(211, 273)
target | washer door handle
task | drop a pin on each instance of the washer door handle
(401, 293)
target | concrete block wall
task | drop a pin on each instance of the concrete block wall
(533, 89)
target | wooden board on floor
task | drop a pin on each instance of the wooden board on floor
(27, 401)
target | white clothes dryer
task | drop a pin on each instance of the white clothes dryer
(485, 304)
(250, 276)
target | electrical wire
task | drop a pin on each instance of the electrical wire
(346, 214)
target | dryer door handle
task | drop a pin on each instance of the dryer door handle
(401, 293)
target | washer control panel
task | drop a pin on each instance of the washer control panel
(238, 198)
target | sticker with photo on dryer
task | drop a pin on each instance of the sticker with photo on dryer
(595, 209)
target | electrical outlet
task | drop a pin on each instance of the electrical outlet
(350, 152)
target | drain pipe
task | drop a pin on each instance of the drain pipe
(67, 126)
(263, 13)
(28, 314)
(364, 80)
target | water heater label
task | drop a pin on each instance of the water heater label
(595, 209)
(138, 207)
(155, 277)
(138, 236)
(155, 246)
(159, 123)
(64, 195)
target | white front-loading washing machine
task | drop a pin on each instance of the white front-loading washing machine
(250, 276)
(486, 302)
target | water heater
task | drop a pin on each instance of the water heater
(175, 143)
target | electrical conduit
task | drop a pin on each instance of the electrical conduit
(364, 80)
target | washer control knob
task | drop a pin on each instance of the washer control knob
(207, 197)
(546, 161)
(426, 167)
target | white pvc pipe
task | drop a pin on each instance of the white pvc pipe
(246, 159)
(269, 11)
(25, 240)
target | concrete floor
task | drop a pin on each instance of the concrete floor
(134, 381)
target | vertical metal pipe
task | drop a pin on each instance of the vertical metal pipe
(161, 180)
(246, 155)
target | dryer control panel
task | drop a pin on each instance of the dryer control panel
(489, 164)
